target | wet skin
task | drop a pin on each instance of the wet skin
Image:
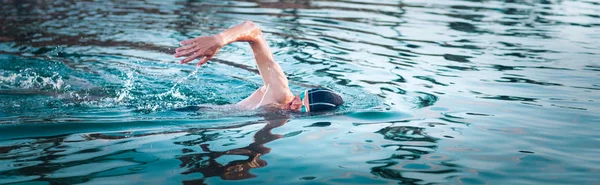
(275, 92)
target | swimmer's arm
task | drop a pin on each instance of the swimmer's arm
(205, 47)
(269, 69)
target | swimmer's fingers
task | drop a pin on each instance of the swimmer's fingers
(190, 41)
(187, 52)
(186, 47)
(203, 60)
(190, 58)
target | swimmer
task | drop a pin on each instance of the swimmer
(275, 92)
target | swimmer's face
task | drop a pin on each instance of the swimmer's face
(300, 103)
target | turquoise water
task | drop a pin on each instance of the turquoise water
(438, 92)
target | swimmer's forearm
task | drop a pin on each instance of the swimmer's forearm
(245, 32)
(251, 33)
(205, 47)
(271, 72)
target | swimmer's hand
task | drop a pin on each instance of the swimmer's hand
(204, 47)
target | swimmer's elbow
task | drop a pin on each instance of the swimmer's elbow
(250, 23)
(253, 26)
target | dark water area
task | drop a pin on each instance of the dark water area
(437, 92)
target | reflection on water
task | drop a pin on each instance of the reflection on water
(61, 157)
(206, 163)
(450, 92)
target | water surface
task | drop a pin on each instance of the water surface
(449, 92)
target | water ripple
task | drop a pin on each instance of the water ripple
(432, 89)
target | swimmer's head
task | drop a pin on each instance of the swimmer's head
(316, 100)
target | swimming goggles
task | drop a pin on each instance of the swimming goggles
(303, 109)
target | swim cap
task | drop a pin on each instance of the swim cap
(321, 99)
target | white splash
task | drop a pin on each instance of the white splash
(128, 86)
(32, 80)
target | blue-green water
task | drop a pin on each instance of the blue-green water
(438, 92)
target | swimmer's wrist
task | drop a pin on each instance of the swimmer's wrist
(219, 37)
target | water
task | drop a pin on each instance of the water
(450, 92)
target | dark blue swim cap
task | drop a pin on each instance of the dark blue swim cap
(321, 99)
